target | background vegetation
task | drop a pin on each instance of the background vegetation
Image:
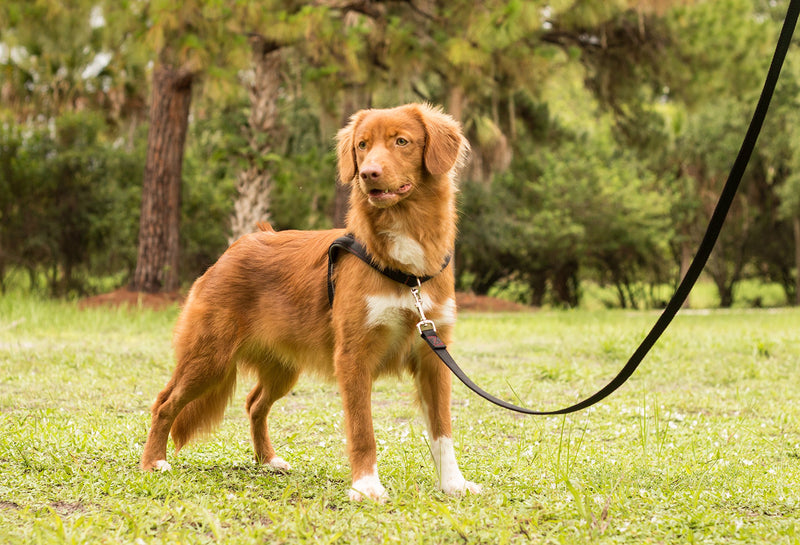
(602, 133)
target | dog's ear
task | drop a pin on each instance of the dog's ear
(445, 145)
(346, 149)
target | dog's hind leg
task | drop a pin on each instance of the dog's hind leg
(193, 400)
(275, 381)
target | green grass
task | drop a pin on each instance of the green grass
(702, 444)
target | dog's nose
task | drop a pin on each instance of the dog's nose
(371, 171)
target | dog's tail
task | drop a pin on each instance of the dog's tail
(202, 415)
(265, 226)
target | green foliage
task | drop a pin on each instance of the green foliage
(601, 131)
(209, 178)
(582, 204)
(68, 203)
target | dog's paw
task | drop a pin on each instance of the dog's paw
(460, 487)
(161, 465)
(368, 487)
(279, 465)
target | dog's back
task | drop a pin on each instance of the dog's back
(263, 293)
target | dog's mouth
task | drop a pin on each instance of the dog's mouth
(386, 195)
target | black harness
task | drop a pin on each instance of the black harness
(349, 244)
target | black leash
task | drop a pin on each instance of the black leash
(427, 328)
(697, 265)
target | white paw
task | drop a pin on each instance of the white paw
(368, 487)
(162, 465)
(279, 464)
(451, 481)
(459, 486)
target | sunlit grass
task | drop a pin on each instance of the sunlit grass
(702, 445)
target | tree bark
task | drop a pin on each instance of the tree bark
(159, 224)
(254, 182)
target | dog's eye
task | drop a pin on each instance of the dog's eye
(362, 145)
(401, 141)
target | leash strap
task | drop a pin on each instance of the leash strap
(349, 244)
(698, 263)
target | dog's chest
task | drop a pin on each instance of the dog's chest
(407, 251)
(396, 311)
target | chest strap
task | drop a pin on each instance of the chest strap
(349, 244)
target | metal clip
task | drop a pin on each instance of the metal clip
(424, 324)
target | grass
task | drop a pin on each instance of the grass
(702, 444)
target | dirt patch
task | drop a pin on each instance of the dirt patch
(132, 299)
(483, 303)
(66, 508)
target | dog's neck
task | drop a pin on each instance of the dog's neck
(415, 236)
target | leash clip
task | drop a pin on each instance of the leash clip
(424, 324)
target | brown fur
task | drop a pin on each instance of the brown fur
(264, 304)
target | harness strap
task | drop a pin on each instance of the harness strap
(349, 244)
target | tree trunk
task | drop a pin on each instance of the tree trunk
(725, 295)
(565, 284)
(538, 284)
(254, 183)
(159, 224)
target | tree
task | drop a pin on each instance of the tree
(278, 29)
(177, 67)
(64, 57)
(157, 263)
(714, 102)
(263, 133)
(789, 194)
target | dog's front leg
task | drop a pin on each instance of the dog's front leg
(354, 375)
(433, 383)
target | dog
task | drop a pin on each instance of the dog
(264, 307)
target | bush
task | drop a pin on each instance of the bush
(68, 203)
(582, 210)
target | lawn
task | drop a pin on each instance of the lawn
(701, 445)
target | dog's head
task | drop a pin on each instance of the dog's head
(390, 153)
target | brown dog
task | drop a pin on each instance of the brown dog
(264, 304)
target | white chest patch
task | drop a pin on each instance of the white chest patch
(407, 251)
(390, 309)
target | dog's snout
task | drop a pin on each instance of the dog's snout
(371, 171)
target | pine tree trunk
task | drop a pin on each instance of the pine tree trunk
(159, 224)
(254, 182)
